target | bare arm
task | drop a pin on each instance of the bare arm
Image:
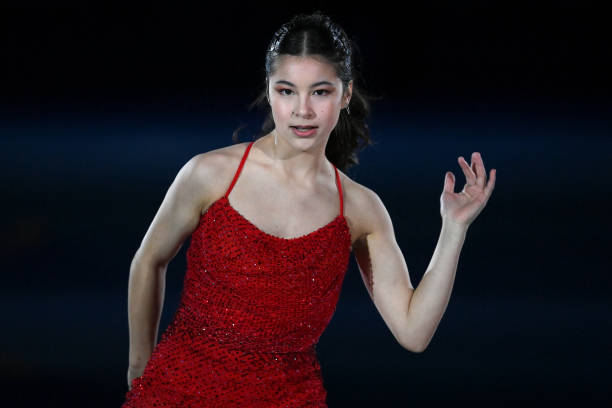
(383, 267)
(146, 288)
(175, 220)
(431, 297)
(413, 315)
(458, 211)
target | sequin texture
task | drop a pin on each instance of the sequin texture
(252, 309)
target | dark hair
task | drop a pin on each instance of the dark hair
(316, 33)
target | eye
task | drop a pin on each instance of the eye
(325, 91)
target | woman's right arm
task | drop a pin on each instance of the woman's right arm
(176, 219)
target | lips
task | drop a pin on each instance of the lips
(306, 132)
(304, 127)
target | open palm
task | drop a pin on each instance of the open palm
(463, 207)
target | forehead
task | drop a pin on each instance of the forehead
(304, 69)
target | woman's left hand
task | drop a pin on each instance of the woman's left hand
(462, 208)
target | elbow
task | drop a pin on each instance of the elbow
(147, 262)
(415, 348)
(414, 345)
(414, 338)
(419, 348)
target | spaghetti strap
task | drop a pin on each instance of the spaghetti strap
(246, 153)
(339, 184)
(244, 156)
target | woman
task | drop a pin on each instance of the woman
(265, 266)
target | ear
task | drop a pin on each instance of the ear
(348, 93)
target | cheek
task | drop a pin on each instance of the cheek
(330, 113)
(281, 110)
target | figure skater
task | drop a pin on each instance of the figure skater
(272, 224)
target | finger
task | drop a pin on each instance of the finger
(491, 184)
(475, 171)
(470, 177)
(449, 182)
(479, 168)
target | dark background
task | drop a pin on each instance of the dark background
(100, 108)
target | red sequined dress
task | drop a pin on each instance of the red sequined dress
(252, 309)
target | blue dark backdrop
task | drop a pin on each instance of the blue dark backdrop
(99, 109)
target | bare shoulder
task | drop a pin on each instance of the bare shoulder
(211, 171)
(363, 209)
(199, 182)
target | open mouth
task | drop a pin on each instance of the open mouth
(304, 131)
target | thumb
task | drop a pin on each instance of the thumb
(449, 182)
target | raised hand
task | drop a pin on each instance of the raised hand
(463, 207)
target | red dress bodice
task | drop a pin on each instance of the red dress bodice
(252, 309)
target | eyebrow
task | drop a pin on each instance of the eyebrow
(282, 81)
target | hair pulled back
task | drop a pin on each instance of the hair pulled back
(317, 34)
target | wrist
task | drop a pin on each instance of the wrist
(454, 227)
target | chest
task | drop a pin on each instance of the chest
(286, 215)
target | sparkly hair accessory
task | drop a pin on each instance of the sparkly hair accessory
(278, 37)
(338, 37)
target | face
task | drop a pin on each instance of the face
(305, 91)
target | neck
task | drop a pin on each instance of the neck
(294, 164)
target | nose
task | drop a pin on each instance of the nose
(303, 108)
